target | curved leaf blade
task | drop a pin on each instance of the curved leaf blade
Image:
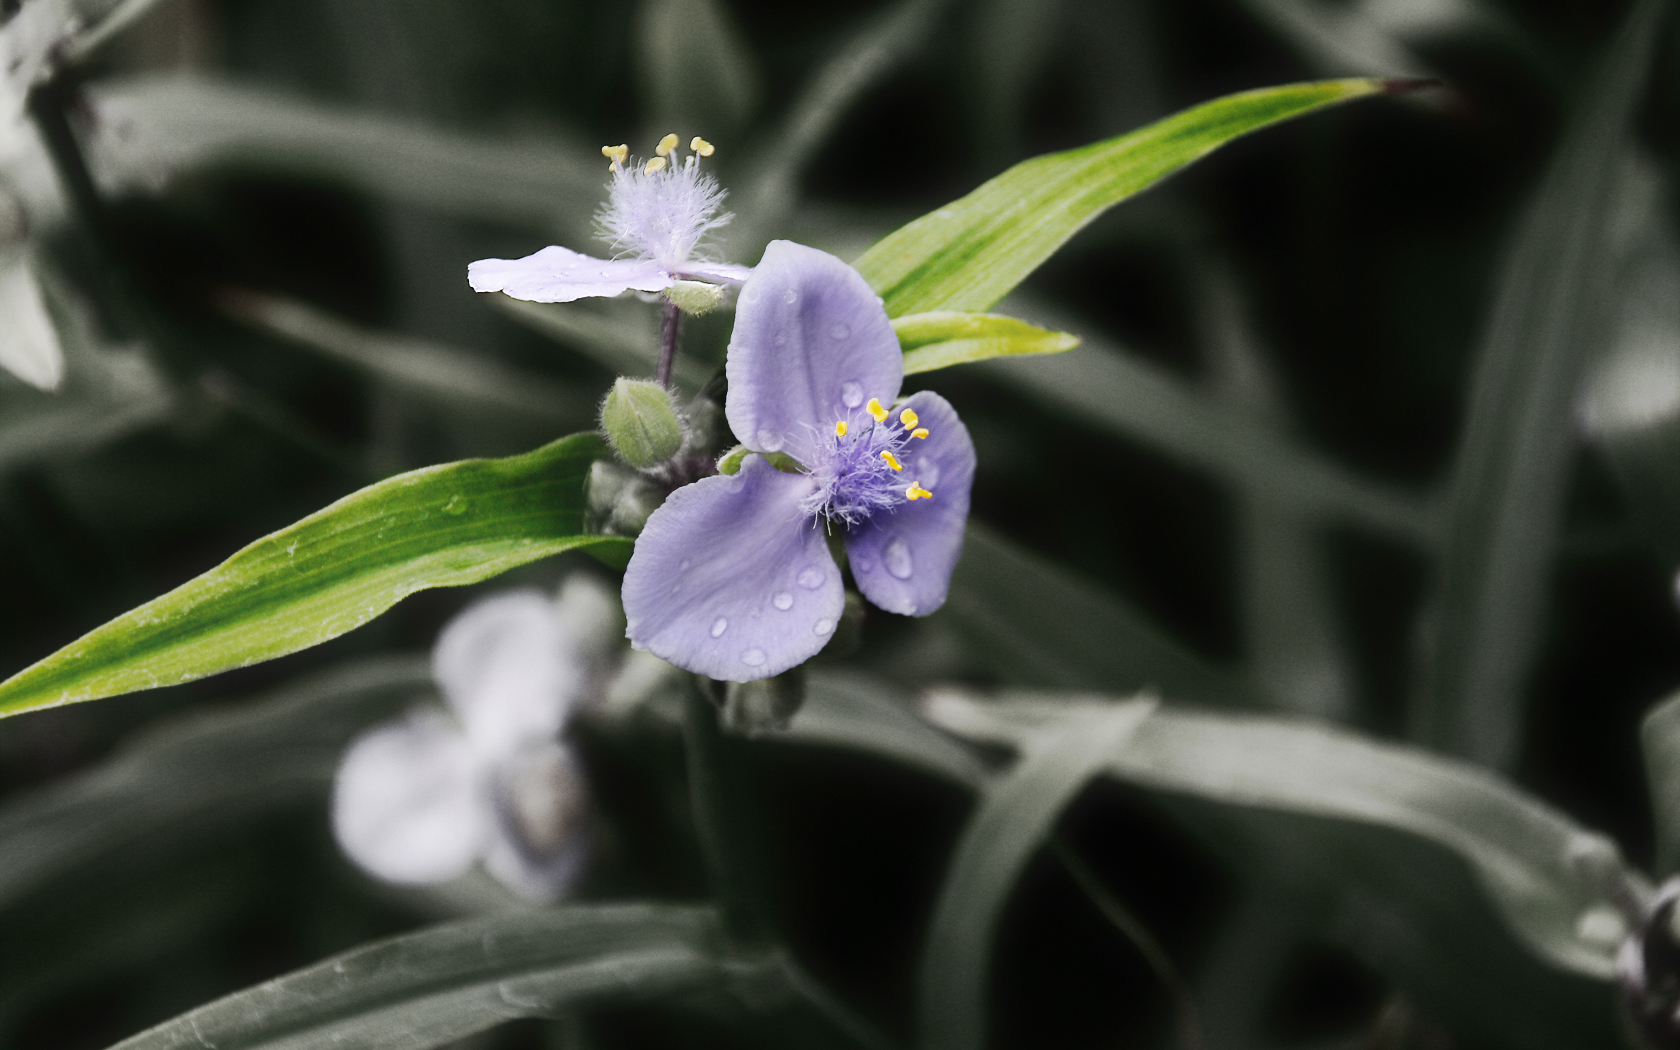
(428, 988)
(942, 338)
(970, 253)
(328, 574)
(1016, 815)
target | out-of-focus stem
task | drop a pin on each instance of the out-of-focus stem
(670, 335)
(719, 821)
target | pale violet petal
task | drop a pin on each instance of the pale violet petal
(902, 558)
(506, 670)
(812, 345)
(29, 346)
(731, 579)
(541, 839)
(719, 273)
(408, 806)
(560, 275)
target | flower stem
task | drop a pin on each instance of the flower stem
(720, 810)
(670, 336)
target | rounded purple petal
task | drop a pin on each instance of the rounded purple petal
(560, 275)
(902, 558)
(812, 345)
(731, 579)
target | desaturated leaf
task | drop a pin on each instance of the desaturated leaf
(1510, 478)
(944, 338)
(1016, 815)
(199, 774)
(438, 985)
(1659, 741)
(28, 341)
(441, 526)
(697, 66)
(846, 709)
(972, 252)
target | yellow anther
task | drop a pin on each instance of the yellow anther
(840, 429)
(919, 432)
(617, 154)
(915, 491)
(666, 145)
(908, 418)
(656, 164)
(892, 460)
(876, 410)
(701, 146)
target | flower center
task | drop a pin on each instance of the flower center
(661, 209)
(860, 467)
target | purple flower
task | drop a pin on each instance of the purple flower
(655, 218)
(732, 576)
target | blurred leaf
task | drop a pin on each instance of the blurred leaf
(944, 338)
(1549, 877)
(1632, 400)
(1291, 635)
(862, 62)
(972, 252)
(440, 374)
(619, 335)
(1035, 623)
(199, 774)
(1510, 478)
(847, 709)
(333, 571)
(1339, 39)
(148, 129)
(698, 67)
(28, 342)
(1016, 815)
(101, 21)
(440, 984)
(1659, 742)
(1010, 43)
(1129, 397)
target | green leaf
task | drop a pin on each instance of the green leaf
(1659, 742)
(1509, 483)
(1016, 815)
(970, 253)
(437, 985)
(942, 338)
(441, 526)
(197, 775)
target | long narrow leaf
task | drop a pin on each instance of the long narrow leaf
(947, 337)
(970, 253)
(1510, 479)
(1016, 815)
(333, 571)
(429, 988)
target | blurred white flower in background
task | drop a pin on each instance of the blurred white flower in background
(423, 798)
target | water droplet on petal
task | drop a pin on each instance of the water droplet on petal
(753, 657)
(783, 601)
(839, 331)
(719, 627)
(822, 626)
(768, 442)
(810, 577)
(851, 394)
(790, 296)
(897, 559)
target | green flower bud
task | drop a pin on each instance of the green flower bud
(694, 297)
(641, 423)
(764, 706)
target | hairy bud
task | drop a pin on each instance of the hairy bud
(641, 423)
(694, 297)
